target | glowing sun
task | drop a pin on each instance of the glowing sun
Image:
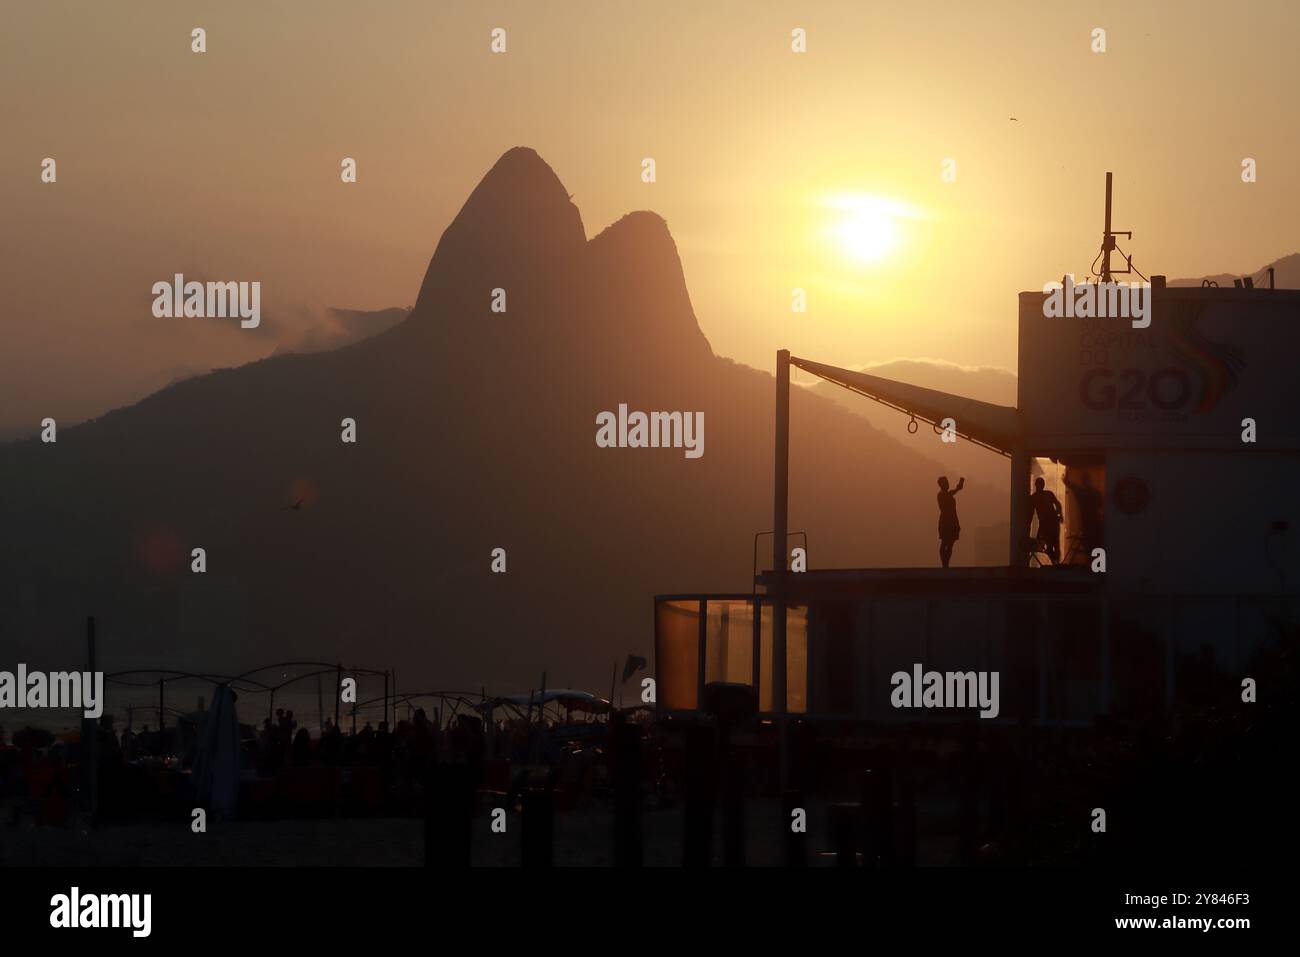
(867, 230)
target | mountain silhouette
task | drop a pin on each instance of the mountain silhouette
(1286, 275)
(475, 430)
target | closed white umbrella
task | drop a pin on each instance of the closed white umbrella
(216, 767)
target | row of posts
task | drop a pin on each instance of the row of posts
(877, 830)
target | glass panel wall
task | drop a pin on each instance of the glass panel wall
(729, 641)
(677, 653)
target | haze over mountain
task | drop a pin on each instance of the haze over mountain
(475, 430)
(192, 350)
(318, 330)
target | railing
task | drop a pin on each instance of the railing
(758, 535)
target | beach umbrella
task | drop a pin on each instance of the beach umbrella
(216, 767)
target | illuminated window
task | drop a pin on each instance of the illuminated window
(729, 641)
(677, 653)
(1078, 483)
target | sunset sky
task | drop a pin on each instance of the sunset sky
(225, 165)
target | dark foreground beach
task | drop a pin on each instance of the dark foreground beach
(582, 838)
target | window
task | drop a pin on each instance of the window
(729, 641)
(677, 653)
(1078, 483)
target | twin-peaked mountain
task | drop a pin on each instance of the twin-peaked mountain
(475, 430)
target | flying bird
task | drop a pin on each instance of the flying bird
(1014, 120)
(296, 507)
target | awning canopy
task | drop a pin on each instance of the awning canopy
(994, 426)
(565, 697)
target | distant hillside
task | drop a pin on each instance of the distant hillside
(1286, 275)
(476, 430)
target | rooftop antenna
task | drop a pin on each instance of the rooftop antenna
(1108, 242)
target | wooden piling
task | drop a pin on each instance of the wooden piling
(842, 822)
(697, 813)
(905, 816)
(448, 815)
(733, 810)
(626, 768)
(537, 829)
(968, 769)
(796, 843)
(877, 787)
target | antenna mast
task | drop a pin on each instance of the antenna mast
(1108, 242)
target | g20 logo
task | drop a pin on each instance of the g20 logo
(1136, 389)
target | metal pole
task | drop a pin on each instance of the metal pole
(385, 697)
(1169, 671)
(1105, 656)
(780, 526)
(1106, 241)
(1042, 663)
(1019, 508)
(701, 651)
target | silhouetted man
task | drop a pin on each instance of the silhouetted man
(1048, 509)
(949, 527)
